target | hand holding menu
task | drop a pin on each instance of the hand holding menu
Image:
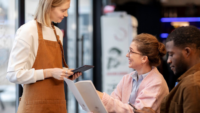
(86, 95)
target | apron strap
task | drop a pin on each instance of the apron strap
(61, 47)
(40, 36)
(39, 28)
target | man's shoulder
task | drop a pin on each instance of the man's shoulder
(196, 78)
(192, 80)
(196, 74)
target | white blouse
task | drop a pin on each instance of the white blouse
(24, 52)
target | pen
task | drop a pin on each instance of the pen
(132, 106)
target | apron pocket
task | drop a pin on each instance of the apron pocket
(46, 106)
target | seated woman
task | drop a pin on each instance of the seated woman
(144, 87)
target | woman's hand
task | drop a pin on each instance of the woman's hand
(145, 110)
(100, 94)
(58, 73)
(74, 76)
(68, 72)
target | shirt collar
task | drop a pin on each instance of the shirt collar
(135, 75)
(190, 71)
(143, 75)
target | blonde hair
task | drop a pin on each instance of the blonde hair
(43, 11)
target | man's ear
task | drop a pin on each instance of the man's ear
(187, 51)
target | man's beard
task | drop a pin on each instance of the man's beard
(181, 68)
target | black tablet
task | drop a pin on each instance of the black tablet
(83, 68)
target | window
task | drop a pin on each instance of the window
(7, 32)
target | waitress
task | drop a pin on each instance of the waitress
(36, 60)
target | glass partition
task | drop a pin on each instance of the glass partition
(79, 43)
(85, 36)
(7, 32)
(30, 8)
(85, 39)
(71, 49)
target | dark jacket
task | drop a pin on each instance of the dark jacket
(185, 97)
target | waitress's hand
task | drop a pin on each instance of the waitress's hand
(75, 76)
(58, 73)
(69, 72)
(72, 76)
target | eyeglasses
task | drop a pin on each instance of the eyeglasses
(129, 52)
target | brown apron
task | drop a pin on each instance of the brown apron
(46, 96)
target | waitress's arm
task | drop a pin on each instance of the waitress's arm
(21, 59)
(20, 69)
(23, 55)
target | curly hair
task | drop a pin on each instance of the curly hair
(148, 45)
(185, 36)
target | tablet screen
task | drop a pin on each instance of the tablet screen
(83, 68)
